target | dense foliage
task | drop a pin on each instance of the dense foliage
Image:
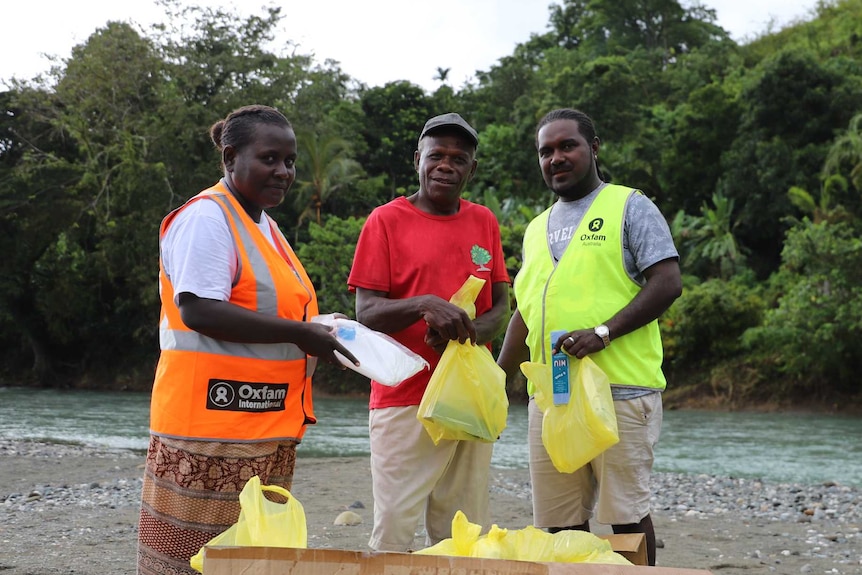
(753, 151)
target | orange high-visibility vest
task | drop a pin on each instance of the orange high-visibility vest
(209, 389)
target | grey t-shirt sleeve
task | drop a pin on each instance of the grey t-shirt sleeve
(647, 239)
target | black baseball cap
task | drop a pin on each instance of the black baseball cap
(451, 119)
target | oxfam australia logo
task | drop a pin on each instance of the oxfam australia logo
(480, 257)
(595, 227)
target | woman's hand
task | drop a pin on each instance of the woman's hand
(320, 341)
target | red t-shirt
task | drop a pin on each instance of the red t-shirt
(406, 252)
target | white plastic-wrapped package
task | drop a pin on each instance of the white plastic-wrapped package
(381, 358)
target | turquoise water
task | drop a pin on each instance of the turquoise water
(775, 446)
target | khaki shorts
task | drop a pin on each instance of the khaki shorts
(412, 477)
(616, 483)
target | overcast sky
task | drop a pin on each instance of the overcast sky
(376, 41)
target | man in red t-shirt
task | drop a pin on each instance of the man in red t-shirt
(412, 255)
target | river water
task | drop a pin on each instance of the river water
(780, 447)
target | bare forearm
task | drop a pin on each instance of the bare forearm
(388, 315)
(514, 350)
(663, 286)
(228, 322)
(491, 323)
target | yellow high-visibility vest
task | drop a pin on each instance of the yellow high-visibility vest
(586, 288)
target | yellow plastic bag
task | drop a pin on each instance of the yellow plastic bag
(464, 536)
(492, 545)
(531, 544)
(262, 523)
(583, 547)
(577, 432)
(465, 297)
(466, 395)
(527, 544)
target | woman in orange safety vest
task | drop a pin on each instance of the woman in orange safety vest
(232, 391)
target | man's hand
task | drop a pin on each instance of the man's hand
(435, 341)
(446, 321)
(579, 343)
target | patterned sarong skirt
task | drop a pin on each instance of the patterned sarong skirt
(191, 494)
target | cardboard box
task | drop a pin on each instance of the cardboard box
(290, 561)
(632, 546)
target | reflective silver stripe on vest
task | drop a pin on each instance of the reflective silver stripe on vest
(267, 300)
(276, 229)
(181, 340)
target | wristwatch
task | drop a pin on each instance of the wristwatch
(603, 332)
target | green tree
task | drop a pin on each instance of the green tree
(507, 168)
(38, 199)
(216, 61)
(611, 89)
(710, 243)
(791, 107)
(689, 137)
(826, 208)
(845, 159)
(505, 92)
(87, 283)
(810, 342)
(705, 325)
(662, 28)
(442, 75)
(328, 257)
(323, 90)
(327, 170)
(393, 117)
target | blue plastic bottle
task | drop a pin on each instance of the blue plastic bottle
(560, 371)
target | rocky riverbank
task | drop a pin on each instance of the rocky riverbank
(72, 510)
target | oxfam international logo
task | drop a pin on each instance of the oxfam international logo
(480, 257)
(221, 394)
(596, 224)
